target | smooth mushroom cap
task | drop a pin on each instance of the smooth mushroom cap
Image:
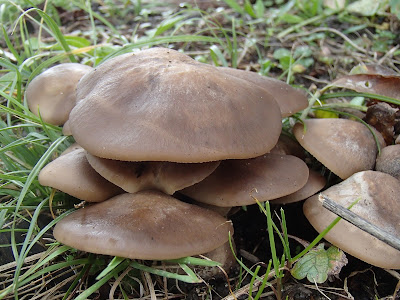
(167, 177)
(379, 204)
(288, 146)
(53, 92)
(290, 100)
(72, 174)
(266, 177)
(145, 225)
(343, 146)
(315, 183)
(389, 161)
(161, 105)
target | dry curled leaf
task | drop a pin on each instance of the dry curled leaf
(388, 86)
(382, 117)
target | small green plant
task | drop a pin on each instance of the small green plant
(314, 262)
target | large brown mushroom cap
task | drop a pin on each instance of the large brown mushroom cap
(164, 176)
(290, 100)
(53, 92)
(266, 177)
(161, 105)
(343, 146)
(378, 195)
(145, 225)
(71, 173)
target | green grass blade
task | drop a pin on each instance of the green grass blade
(32, 176)
(194, 261)
(356, 94)
(253, 278)
(286, 244)
(272, 240)
(10, 46)
(54, 29)
(111, 266)
(235, 6)
(89, 291)
(84, 270)
(184, 278)
(264, 282)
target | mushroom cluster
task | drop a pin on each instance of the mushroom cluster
(350, 150)
(151, 124)
(156, 125)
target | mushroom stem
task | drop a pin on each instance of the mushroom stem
(360, 222)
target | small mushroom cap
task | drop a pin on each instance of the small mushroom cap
(145, 225)
(379, 204)
(288, 146)
(389, 161)
(266, 177)
(290, 100)
(161, 105)
(71, 173)
(315, 183)
(53, 92)
(343, 146)
(167, 177)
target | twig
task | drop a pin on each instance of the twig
(360, 222)
(26, 260)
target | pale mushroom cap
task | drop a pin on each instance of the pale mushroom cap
(266, 177)
(343, 146)
(161, 105)
(72, 174)
(53, 92)
(379, 204)
(389, 161)
(315, 183)
(167, 177)
(145, 225)
(289, 99)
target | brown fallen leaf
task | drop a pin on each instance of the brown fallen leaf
(388, 86)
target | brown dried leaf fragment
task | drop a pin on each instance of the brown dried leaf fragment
(382, 117)
(388, 86)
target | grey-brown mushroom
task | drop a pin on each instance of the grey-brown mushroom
(161, 105)
(315, 183)
(343, 146)
(52, 93)
(145, 225)
(378, 202)
(266, 177)
(71, 173)
(167, 177)
(389, 161)
(289, 99)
